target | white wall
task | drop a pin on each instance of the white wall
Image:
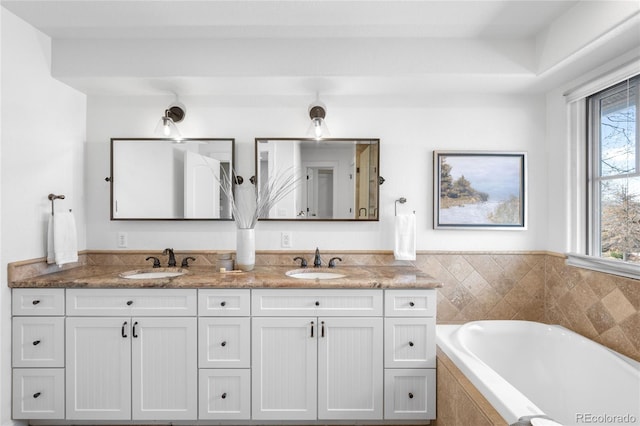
(42, 145)
(408, 137)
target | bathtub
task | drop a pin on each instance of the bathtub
(527, 368)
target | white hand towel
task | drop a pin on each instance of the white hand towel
(62, 245)
(405, 233)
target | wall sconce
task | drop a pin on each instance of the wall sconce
(166, 127)
(318, 128)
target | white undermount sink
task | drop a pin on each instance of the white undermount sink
(150, 274)
(309, 274)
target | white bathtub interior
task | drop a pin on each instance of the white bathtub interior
(525, 368)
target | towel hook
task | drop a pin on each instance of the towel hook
(400, 200)
(53, 197)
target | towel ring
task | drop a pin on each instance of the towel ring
(52, 198)
(400, 200)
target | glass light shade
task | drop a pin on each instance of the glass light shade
(167, 128)
(318, 128)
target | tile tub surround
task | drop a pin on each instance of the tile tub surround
(458, 400)
(536, 286)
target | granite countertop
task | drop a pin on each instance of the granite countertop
(392, 277)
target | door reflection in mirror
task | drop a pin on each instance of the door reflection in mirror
(340, 177)
(169, 179)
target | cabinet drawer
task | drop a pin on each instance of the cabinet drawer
(410, 342)
(410, 303)
(38, 342)
(316, 302)
(224, 342)
(131, 302)
(38, 393)
(37, 301)
(224, 394)
(410, 394)
(224, 303)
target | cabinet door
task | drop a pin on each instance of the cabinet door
(164, 368)
(224, 342)
(38, 342)
(98, 370)
(38, 393)
(410, 342)
(350, 368)
(410, 394)
(224, 394)
(284, 360)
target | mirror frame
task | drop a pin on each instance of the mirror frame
(307, 139)
(111, 177)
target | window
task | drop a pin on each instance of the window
(614, 172)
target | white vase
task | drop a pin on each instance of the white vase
(245, 249)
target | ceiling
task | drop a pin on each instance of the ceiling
(303, 18)
(358, 48)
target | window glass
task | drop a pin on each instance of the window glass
(615, 181)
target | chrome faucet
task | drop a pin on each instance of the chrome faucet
(172, 257)
(317, 262)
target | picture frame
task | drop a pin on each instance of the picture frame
(480, 190)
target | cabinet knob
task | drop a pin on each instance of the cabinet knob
(36, 342)
(410, 395)
(224, 395)
(35, 302)
(223, 303)
(37, 394)
(317, 303)
(223, 343)
(129, 302)
(412, 304)
(411, 344)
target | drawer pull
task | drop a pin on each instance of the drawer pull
(134, 330)
(412, 304)
(35, 302)
(312, 323)
(223, 343)
(322, 330)
(411, 344)
(410, 395)
(317, 303)
(223, 303)
(224, 395)
(37, 394)
(36, 342)
(129, 302)
(124, 336)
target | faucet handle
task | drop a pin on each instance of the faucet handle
(185, 261)
(332, 261)
(303, 261)
(156, 261)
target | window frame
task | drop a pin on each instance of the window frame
(594, 179)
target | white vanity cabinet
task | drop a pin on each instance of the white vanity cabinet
(324, 365)
(410, 354)
(224, 353)
(38, 353)
(138, 361)
(249, 356)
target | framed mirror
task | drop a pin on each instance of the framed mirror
(169, 179)
(338, 177)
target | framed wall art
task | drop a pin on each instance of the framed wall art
(479, 190)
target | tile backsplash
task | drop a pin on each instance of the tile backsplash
(534, 286)
(538, 287)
